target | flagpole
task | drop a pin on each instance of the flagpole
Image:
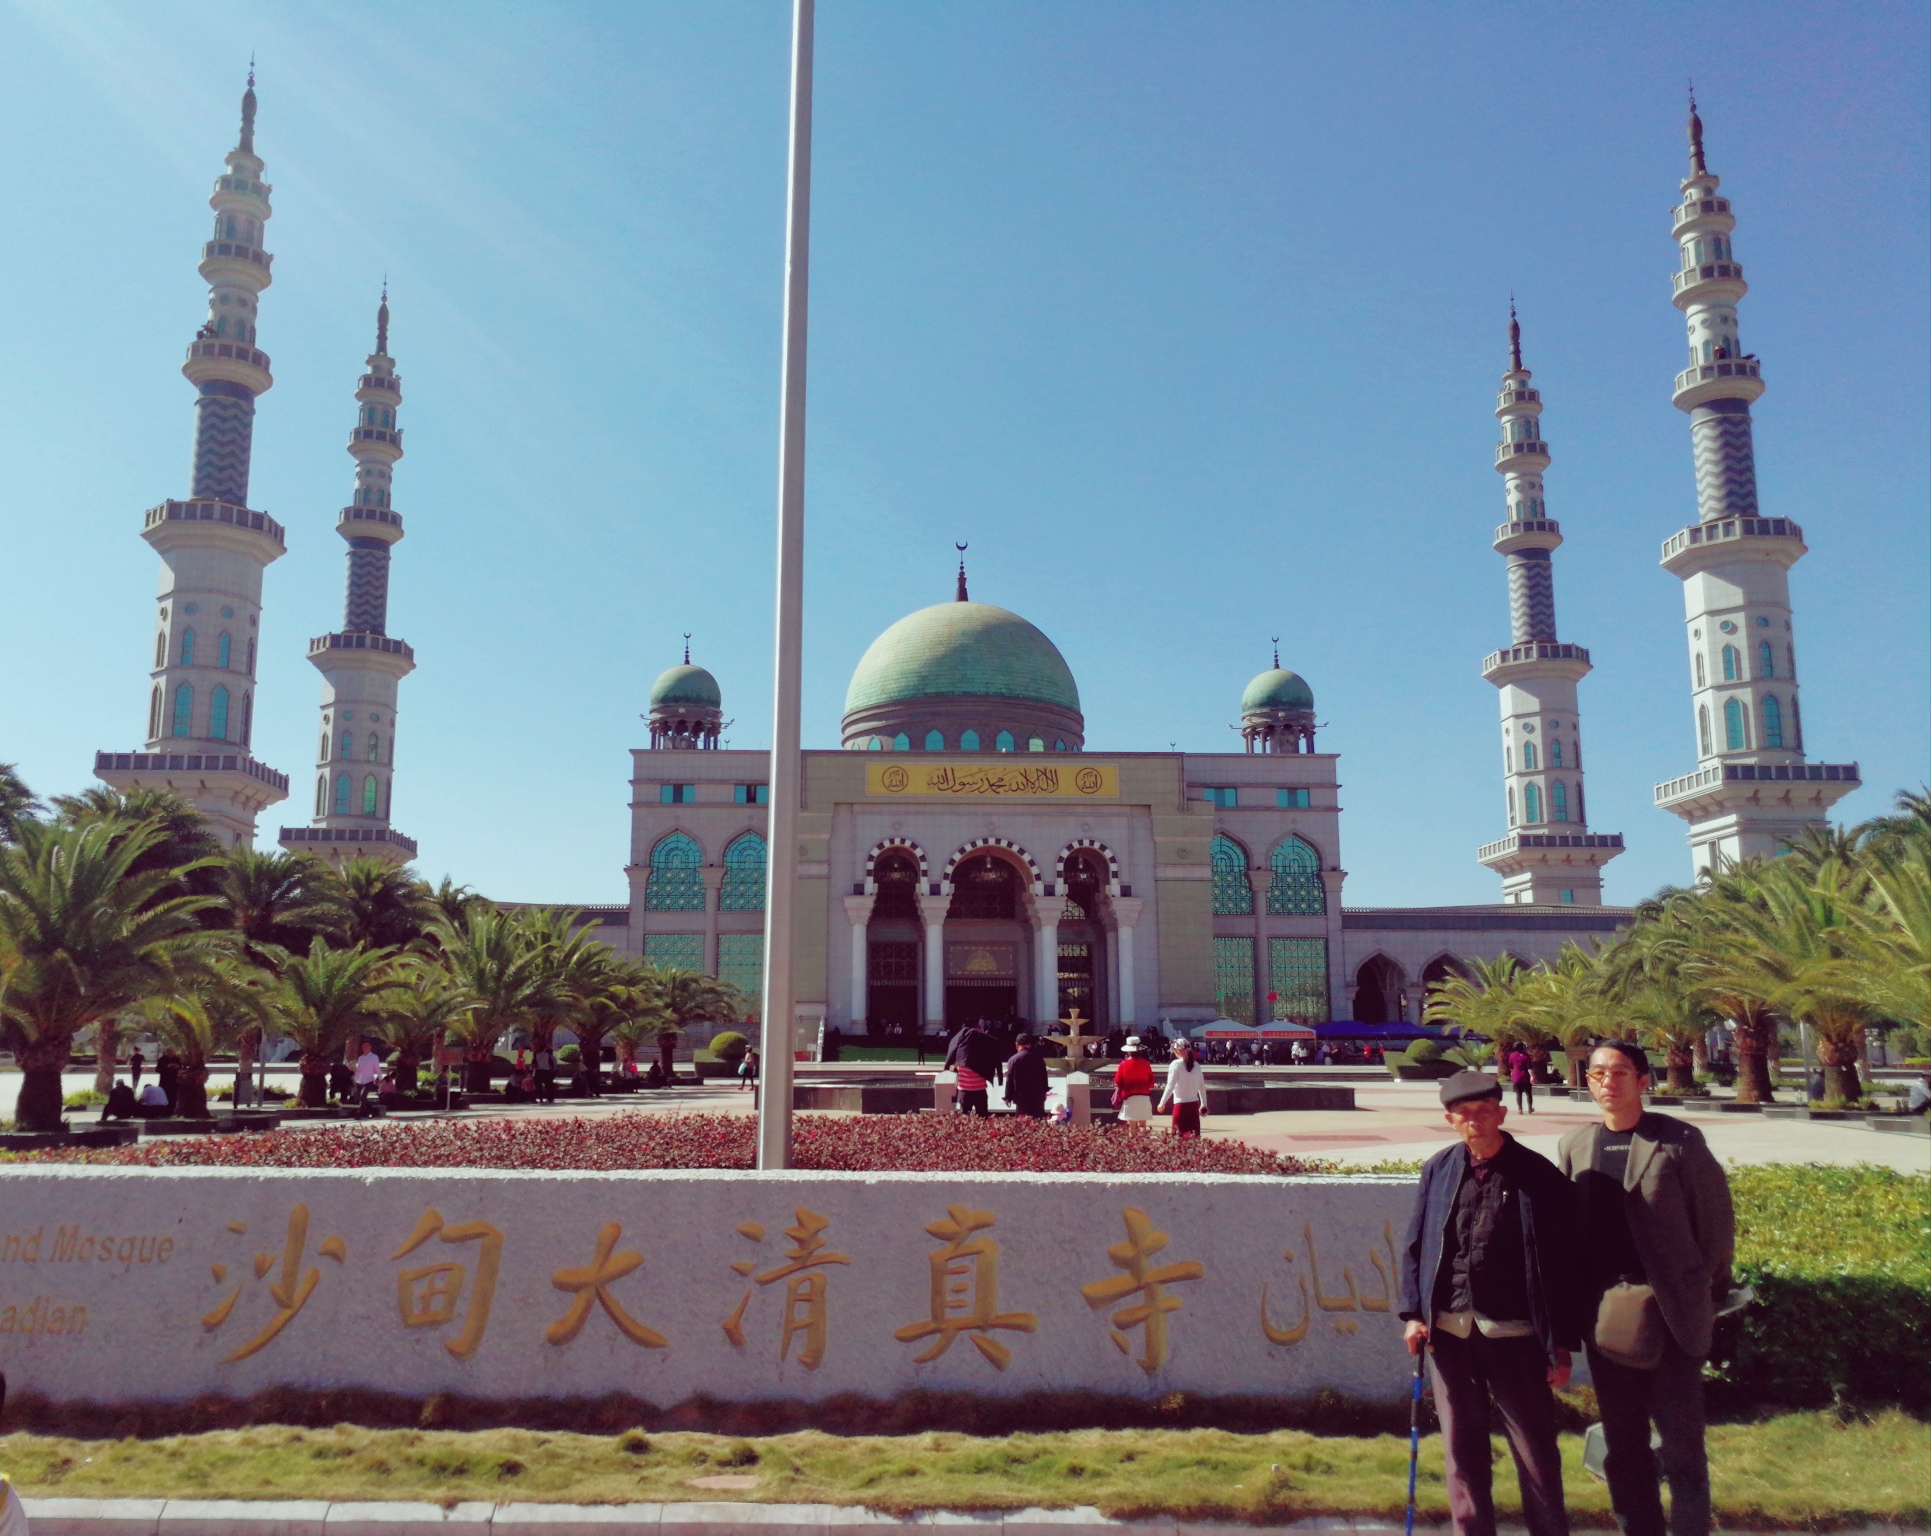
(787, 766)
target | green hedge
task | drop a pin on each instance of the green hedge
(1841, 1262)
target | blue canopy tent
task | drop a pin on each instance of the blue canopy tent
(1384, 1034)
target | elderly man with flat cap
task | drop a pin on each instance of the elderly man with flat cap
(1487, 1288)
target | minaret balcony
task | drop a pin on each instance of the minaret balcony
(1713, 282)
(1550, 848)
(1521, 395)
(370, 523)
(246, 185)
(386, 838)
(1771, 538)
(191, 762)
(379, 383)
(1723, 786)
(1684, 214)
(1730, 378)
(214, 512)
(388, 436)
(1529, 533)
(1539, 658)
(1530, 455)
(362, 651)
(234, 250)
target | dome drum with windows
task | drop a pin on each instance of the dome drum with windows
(1277, 712)
(686, 709)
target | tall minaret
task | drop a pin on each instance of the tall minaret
(360, 664)
(1752, 792)
(201, 700)
(1550, 857)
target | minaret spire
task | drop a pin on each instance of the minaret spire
(213, 548)
(961, 594)
(1734, 564)
(1549, 856)
(361, 663)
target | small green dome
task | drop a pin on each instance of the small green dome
(961, 650)
(687, 685)
(1276, 689)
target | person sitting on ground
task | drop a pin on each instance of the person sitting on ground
(154, 1103)
(1920, 1097)
(654, 1078)
(1133, 1083)
(120, 1103)
(1026, 1081)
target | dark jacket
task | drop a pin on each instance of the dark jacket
(1676, 1199)
(974, 1048)
(1545, 1205)
(1026, 1081)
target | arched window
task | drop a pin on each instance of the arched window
(743, 888)
(1733, 734)
(1555, 752)
(371, 795)
(390, 756)
(1508, 758)
(1511, 806)
(1575, 759)
(1766, 662)
(1532, 804)
(154, 713)
(348, 746)
(342, 790)
(874, 745)
(1790, 660)
(935, 741)
(1703, 726)
(1796, 725)
(247, 719)
(161, 650)
(223, 649)
(1059, 744)
(183, 710)
(321, 794)
(968, 741)
(1036, 744)
(1699, 669)
(1772, 721)
(676, 876)
(1558, 801)
(375, 747)
(1296, 889)
(1582, 819)
(187, 647)
(218, 714)
(1732, 664)
(322, 752)
(901, 742)
(251, 658)
(1003, 742)
(1233, 895)
(1528, 757)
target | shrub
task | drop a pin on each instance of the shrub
(730, 1046)
(1423, 1050)
(1841, 1262)
(86, 1098)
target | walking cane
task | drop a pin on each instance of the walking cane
(1414, 1435)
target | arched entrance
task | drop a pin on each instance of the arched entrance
(1082, 937)
(1378, 987)
(984, 942)
(892, 949)
(1438, 970)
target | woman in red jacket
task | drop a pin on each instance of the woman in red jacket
(1133, 1085)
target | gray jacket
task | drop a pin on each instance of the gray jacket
(1677, 1202)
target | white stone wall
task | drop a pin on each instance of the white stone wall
(122, 1284)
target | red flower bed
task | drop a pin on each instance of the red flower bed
(870, 1143)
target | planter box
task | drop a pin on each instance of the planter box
(249, 1120)
(1731, 1107)
(1785, 1112)
(1900, 1125)
(1422, 1071)
(175, 1126)
(120, 1134)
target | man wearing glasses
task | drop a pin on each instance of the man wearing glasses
(1657, 1236)
(1487, 1289)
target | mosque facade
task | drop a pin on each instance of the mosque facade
(967, 853)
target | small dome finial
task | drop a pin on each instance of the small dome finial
(1697, 167)
(1277, 653)
(1515, 339)
(961, 597)
(382, 319)
(687, 647)
(247, 145)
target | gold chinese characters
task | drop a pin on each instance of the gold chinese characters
(965, 1291)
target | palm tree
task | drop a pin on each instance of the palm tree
(502, 972)
(276, 904)
(381, 905)
(84, 938)
(575, 967)
(1893, 944)
(689, 997)
(221, 999)
(421, 1009)
(1568, 1003)
(1719, 953)
(326, 997)
(455, 902)
(1483, 1002)
(17, 803)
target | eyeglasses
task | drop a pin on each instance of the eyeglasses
(1611, 1075)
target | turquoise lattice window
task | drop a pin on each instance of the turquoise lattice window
(683, 950)
(371, 795)
(1296, 889)
(1531, 804)
(1558, 801)
(1772, 722)
(1733, 736)
(901, 742)
(1003, 741)
(187, 647)
(740, 964)
(1766, 660)
(935, 741)
(343, 788)
(1234, 979)
(183, 710)
(1732, 664)
(1703, 726)
(676, 881)
(969, 741)
(224, 645)
(1233, 895)
(743, 888)
(1298, 969)
(218, 714)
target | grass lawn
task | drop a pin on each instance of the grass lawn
(1798, 1471)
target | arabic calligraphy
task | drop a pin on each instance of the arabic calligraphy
(995, 780)
(1353, 1297)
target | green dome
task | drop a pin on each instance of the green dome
(687, 685)
(961, 650)
(1276, 689)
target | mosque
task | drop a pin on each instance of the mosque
(966, 854)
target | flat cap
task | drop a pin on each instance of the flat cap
(1469, 1085)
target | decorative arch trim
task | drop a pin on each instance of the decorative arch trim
(895, 845)
(979, 845)
(1094, 845)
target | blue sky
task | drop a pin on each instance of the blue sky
(1188, 317)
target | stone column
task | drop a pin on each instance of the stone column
(1262, 881)
(858, 911)
(1045, 962)
(1338, 1002)
(933, 910)
(1126, 913)
(713, 883)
